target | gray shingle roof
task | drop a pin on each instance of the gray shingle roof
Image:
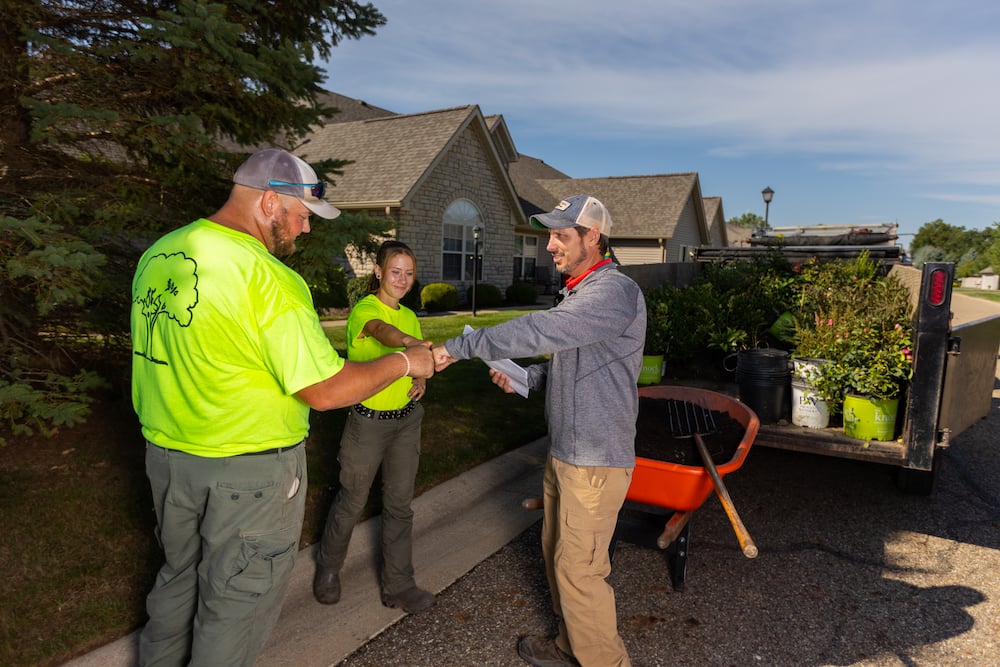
(351, 109)
(716, 220)
(713, 207)
(390, 153)
(525, 174)
(640, 206)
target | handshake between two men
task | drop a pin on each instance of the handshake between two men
(441, 359)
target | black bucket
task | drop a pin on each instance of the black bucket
(762, 375)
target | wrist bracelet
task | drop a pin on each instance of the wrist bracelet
(407, 361)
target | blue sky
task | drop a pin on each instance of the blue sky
(854, 112)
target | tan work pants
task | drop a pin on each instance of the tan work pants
(581, 511)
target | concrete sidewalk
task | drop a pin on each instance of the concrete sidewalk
(457, 525)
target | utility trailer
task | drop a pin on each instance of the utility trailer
(956, 340)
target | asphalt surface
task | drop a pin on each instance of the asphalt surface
(850, 572)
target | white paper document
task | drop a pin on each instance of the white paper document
(518, 375)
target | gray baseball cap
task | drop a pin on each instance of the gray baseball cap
(580, 210)
(286, 174)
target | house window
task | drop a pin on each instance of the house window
(525, 255)
(458, 242)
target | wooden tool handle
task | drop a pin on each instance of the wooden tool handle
(673, 528)
(746, 542)
(532, 503)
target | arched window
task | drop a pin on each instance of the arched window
(461, 219)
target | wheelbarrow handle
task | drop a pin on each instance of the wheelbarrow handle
(675, 524)
(532, 503)
(746, 542)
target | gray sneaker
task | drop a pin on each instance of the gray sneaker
(411, 600)
(543, 652)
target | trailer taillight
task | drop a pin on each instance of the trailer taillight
(938, 287)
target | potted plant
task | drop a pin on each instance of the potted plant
(657, 335)
(817, 345)
(876, 366)
(860, 324)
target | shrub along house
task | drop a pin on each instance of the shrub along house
(439, 175)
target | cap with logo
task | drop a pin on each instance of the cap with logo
(580, 210)
(286, 174)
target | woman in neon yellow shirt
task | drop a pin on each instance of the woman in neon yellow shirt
(382, 431)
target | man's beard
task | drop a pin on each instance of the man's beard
(281, 246)
(570, 263)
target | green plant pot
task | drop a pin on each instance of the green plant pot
(868, 418)
(652, 369)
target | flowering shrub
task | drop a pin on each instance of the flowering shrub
(869, 361)
(860, 323)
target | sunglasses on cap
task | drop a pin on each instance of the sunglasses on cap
(317, 190)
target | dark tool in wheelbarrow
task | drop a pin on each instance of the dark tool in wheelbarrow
(687, 419)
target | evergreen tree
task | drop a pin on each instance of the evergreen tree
(120, 119)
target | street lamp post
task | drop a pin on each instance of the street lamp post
(475, 266)
(768, 194)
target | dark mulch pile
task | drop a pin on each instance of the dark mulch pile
(665, 426)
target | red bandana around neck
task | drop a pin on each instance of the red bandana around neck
(573, 282)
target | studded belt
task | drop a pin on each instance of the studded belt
(385, 414)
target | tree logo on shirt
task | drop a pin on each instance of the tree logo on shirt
(166, 291)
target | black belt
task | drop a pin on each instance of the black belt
(385, 414)
(273, 450)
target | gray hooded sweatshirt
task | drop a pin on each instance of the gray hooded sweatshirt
(595, 338)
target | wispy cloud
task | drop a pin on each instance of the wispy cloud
(862, 84)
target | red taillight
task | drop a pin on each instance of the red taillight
(938, 289)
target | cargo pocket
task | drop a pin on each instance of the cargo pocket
(262, 560)
(589, 534)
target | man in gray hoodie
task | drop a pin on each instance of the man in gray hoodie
(595, 338)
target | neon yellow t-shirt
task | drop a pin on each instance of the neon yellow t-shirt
(223, 335)
(363, 348)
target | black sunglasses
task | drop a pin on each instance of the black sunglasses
(315, 189)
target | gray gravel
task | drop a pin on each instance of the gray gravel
(850, 572)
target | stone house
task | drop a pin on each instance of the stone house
(441, 175)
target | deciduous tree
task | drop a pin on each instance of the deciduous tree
(747, 220)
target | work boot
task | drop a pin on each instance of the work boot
(411, 600)
(326, 585)
(543, 652)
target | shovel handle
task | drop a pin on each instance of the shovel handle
(746, 542)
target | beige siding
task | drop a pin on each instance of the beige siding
(686, 233)
(628, 254)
